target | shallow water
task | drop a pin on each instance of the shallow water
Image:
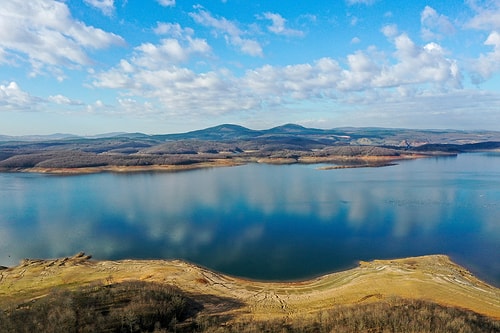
(262, 221)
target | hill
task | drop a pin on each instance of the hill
(228, 144)
(424, 294)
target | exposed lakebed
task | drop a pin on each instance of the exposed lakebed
(262, 221)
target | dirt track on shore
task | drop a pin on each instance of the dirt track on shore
(434, 278)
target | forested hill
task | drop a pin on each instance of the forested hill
(291, 142)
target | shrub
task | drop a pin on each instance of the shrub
(124, 307)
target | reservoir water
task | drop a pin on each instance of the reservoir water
(262, 221)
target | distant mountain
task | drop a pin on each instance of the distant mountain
(229, 143)
(293, 129)
(63, 136)
(291, 132)
(136, 135)
(6, 138)
(110, 135)
(230, 132)
(47, 137)
(222, 132)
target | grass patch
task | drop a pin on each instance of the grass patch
(395, 315)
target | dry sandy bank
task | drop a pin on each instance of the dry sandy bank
(435, 278)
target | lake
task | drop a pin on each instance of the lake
(262, 221)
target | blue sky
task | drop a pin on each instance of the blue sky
(165, 66)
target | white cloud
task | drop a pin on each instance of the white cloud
(100, 107)
(361, 72)
(434, 25)
(63, 100)
(354, 21)
(299, 81)
(364, 2)
(487, 14)
(419, 65)
(168, 51)
(390, 30)
(278, 26)
(12, 97)
(487, 64)
(486, 17)
(167, 3)
(431, 109)
(229, 30)
(153, 73)
(132, 106)
(105, 6)
(116, 78)
(44, 34)
(179, 90)
(172, 29)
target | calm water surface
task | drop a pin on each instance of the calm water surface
(262, 221)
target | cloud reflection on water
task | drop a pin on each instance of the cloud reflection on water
(235, 218)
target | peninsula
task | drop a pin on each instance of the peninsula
(375, 295)
(228, 145)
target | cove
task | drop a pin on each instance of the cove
(260, 221)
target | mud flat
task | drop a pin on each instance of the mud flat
(432, 278)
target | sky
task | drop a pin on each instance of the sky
(167, 66)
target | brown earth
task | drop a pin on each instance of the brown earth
(142, 168)
(434, 278)
(339, 162)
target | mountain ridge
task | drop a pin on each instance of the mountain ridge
(229, 144)
(229, 131)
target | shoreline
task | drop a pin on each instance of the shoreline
(338, 162)
(433, 277)
(124, 169)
